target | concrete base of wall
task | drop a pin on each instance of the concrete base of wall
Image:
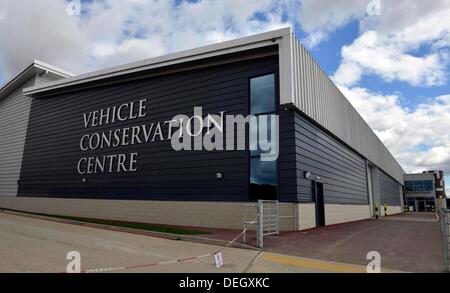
(185, 213)
(342, 213)
(441, 203)
(334, 214)
(392, 210)
(306, 216)
(181, 213)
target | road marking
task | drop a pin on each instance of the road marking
(313, 264)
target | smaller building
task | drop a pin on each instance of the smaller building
(439, 184)
(425, 192)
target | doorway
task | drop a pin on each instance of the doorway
(320, 204)
(421, 206)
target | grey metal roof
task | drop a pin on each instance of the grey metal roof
(233, 46)
(303, 83)
(31, 70)
(419, 176)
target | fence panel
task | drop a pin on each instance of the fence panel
(444, 217)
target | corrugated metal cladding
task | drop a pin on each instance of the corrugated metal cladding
(45, 78)
(311, 149)
(52, 148)
(319, 98)
(287, 167)
(14, 112)
(389, 190)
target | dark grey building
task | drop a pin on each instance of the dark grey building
(100, 144)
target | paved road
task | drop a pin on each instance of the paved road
(406, 242)
(33, 245)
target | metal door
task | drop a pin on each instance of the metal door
(320, 204)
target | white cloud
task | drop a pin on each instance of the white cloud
(424, 19)
(447, 186)
(28, 33)
(375, 54)
(408, 42)
(348, 73)
(113, 32)
(388, 46)
(318, 18)
(127, 51)
(418, 138)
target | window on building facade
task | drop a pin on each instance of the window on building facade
(263, 175)
(262, 94)
(419, 186)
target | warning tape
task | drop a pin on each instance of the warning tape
(112, 269)
(188, 259)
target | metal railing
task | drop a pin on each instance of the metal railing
(444, 218)
(267, 221)
(270, 214)
(253, 222)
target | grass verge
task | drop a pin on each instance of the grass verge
(132, 225)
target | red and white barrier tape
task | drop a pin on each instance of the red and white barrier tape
(131, 267)
(112, 269)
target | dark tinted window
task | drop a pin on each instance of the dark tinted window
(254, 145)
(262, 94)
(419, 186)
(263, 179)
(428, 185)
(263, 175)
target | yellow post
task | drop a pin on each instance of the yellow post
(376, 211)
(385, 210)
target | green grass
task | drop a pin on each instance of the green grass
(132, 225)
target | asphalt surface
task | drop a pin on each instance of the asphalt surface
(34, 245)
(406, 243)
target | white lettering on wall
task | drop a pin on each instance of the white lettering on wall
(121, 162)
(198, 132)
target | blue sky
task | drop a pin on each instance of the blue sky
(328, 54)
(393, 66)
